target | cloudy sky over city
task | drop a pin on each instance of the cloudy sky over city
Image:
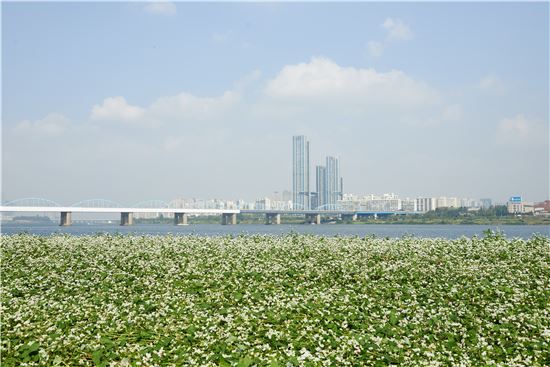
(139, 101)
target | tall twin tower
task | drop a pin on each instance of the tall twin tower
(329, 183)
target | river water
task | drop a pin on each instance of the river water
(361, 230)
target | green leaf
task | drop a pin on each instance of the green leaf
(393, 318)
(245, 362)
(33, 347)
(97, 356)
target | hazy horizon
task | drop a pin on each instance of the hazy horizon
(140, 101)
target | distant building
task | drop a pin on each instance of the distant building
(383, 205)
(349, 202)
(263, 204)
(408, 205)
(321, 186)
(230, 204)
(469, 203)
(486, 203)
(371, 203)
(528, 207)
(281, 205)
(300, 172)
(333, 182)
(516, 205)
(543, 206)
(314, 200)
(425, 204)
(447, 202)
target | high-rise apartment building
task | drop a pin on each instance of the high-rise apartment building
(447, 202)
(408, 205)
(425, 204)
(300, 173)
(321, 186)
(333, 182)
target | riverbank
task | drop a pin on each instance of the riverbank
(393, 219)
(505, 220)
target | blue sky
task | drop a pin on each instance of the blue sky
(416, 98)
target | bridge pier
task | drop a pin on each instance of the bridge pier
(180, 219)
(126, 219)
(349, 217)
(229, 218)
(65, 219)
(272, 218)
(313, 218)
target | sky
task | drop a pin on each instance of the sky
(141, 101)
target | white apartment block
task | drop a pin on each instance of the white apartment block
(448, 202)
(263, 204)
(425, 204)
(408, 205)
(281, 205)
(517, 206)
(470, 203)
(375, 203)
(383, 205)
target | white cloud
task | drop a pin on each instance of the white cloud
(116, 109)
(397, 30)
(53, 124)
(492, 83)
(161, 8)
(375, 48)
(180, 107)
(323, 80)
(521, 130)
(189, 106)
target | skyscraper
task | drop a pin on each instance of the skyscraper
(300, 173)
(321, 186)
(333, 182)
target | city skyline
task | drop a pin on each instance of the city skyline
(131, 102)
(328, 179)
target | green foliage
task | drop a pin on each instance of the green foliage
(494, 215)
(294, 300)
(491, 235)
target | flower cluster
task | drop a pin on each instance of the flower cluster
(294, 300)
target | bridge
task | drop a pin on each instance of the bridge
(228, 216)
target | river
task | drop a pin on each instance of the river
(361, 230)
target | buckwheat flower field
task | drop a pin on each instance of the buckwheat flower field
(293, 300)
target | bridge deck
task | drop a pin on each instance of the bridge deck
(58, 209)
